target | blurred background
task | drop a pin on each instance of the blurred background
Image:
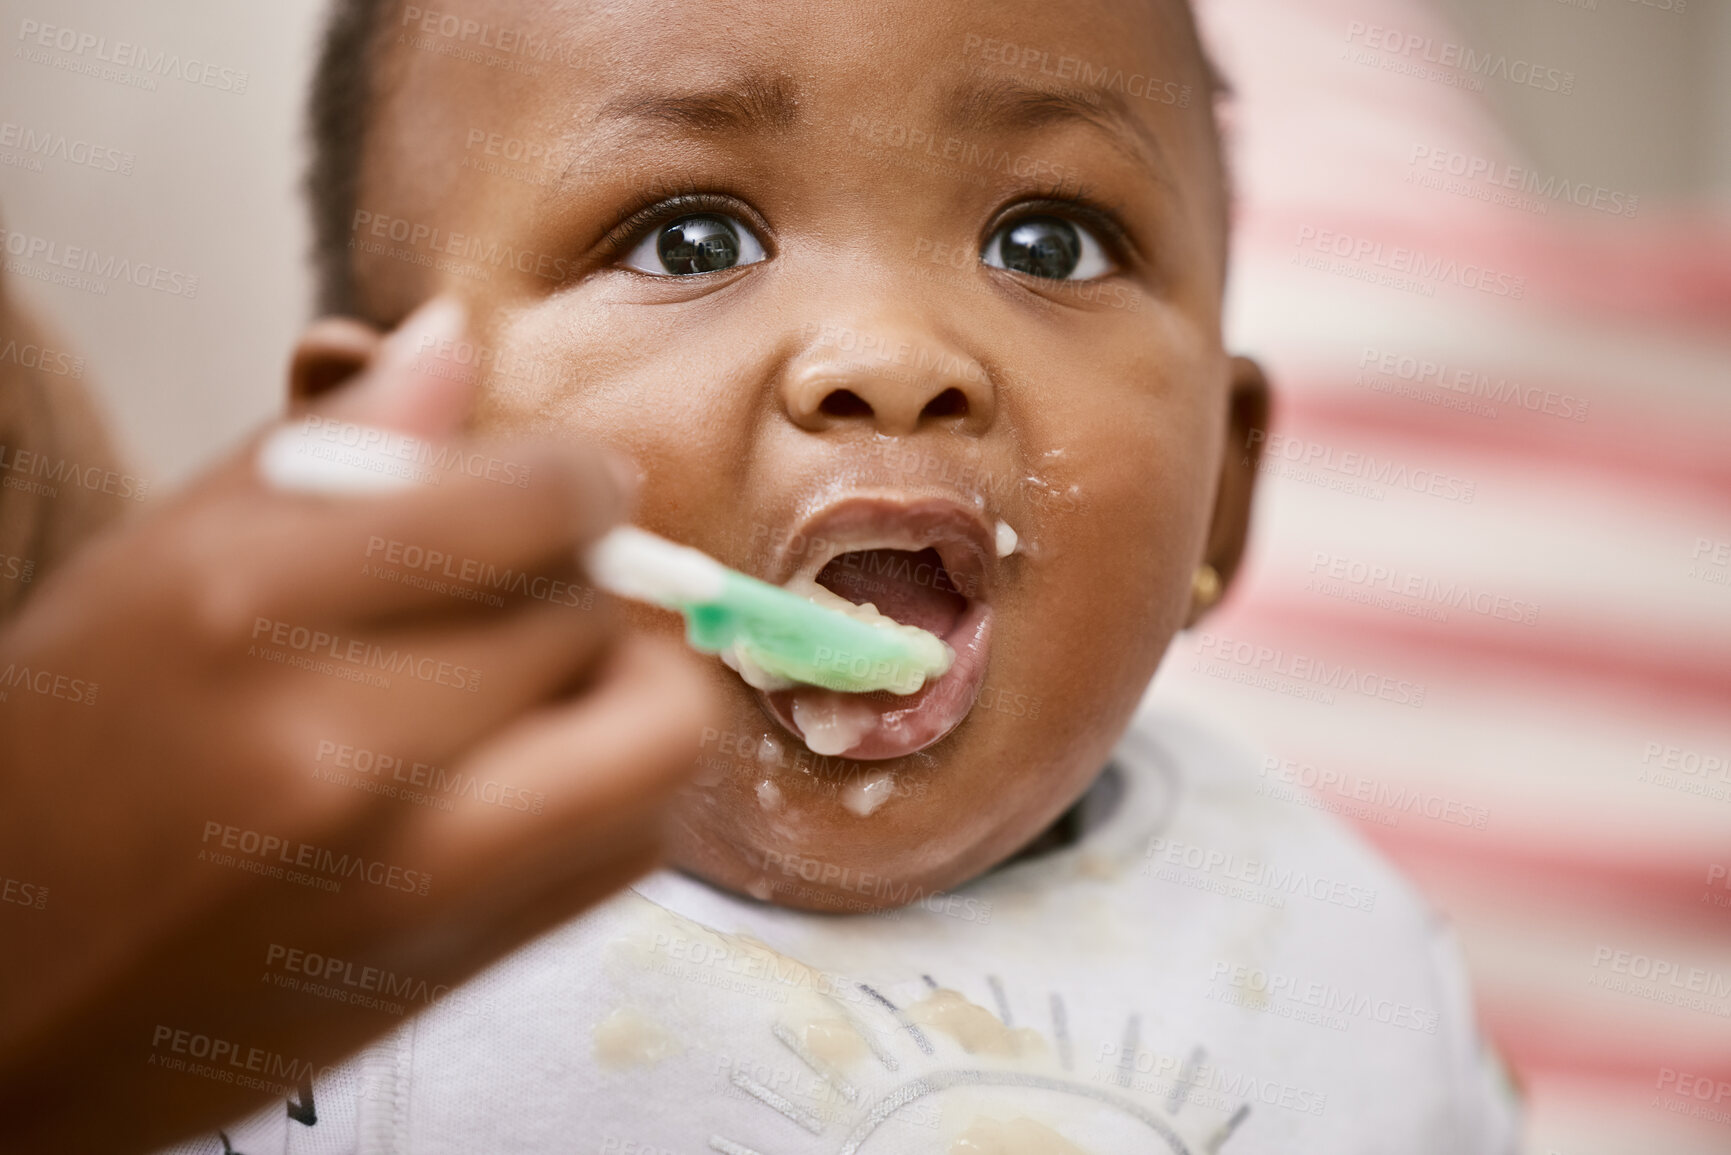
(1484, 249)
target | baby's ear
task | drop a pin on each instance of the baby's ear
(331, 351)
(351, 370)
(1246, 430)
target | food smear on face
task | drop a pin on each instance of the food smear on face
(831, 723)
(769, 796)
(865, 794)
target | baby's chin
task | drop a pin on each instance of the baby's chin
(769, 819)
(808, 849)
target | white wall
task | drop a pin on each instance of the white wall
(212, 192)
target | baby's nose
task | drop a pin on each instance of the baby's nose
(887, 377)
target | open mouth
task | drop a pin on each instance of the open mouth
(925, 563)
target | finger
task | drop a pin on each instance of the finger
(495, 521)
(608, 762)
(634, 733)
(343, 373)
(320, 561)
(417, 383)
(432, 694)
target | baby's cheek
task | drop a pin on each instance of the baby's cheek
(1108, 588)
(548, 366)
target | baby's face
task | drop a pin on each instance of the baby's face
(872, 293)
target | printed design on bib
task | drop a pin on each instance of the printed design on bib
(830, 1065)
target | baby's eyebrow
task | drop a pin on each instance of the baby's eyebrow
(1010, 105)
(769, 104)
(754, 103)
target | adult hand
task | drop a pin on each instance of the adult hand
(253, 729)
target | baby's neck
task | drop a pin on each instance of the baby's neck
(1094, 807)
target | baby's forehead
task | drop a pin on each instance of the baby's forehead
(1144, 49)
(766, 68)
(522, 25)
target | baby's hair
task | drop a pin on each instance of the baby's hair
(338, 112)
(345, 88)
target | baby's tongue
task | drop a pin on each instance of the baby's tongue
(911, 587)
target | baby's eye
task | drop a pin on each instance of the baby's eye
(1045, 246)
(702, 243)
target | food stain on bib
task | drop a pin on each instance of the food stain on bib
(833, 1041)
(661, 945)
(978, 1030)
(1019, 1136)
(629, 1038)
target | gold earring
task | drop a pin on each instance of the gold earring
(1205, 586)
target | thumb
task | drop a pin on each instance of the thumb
(404, 389)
